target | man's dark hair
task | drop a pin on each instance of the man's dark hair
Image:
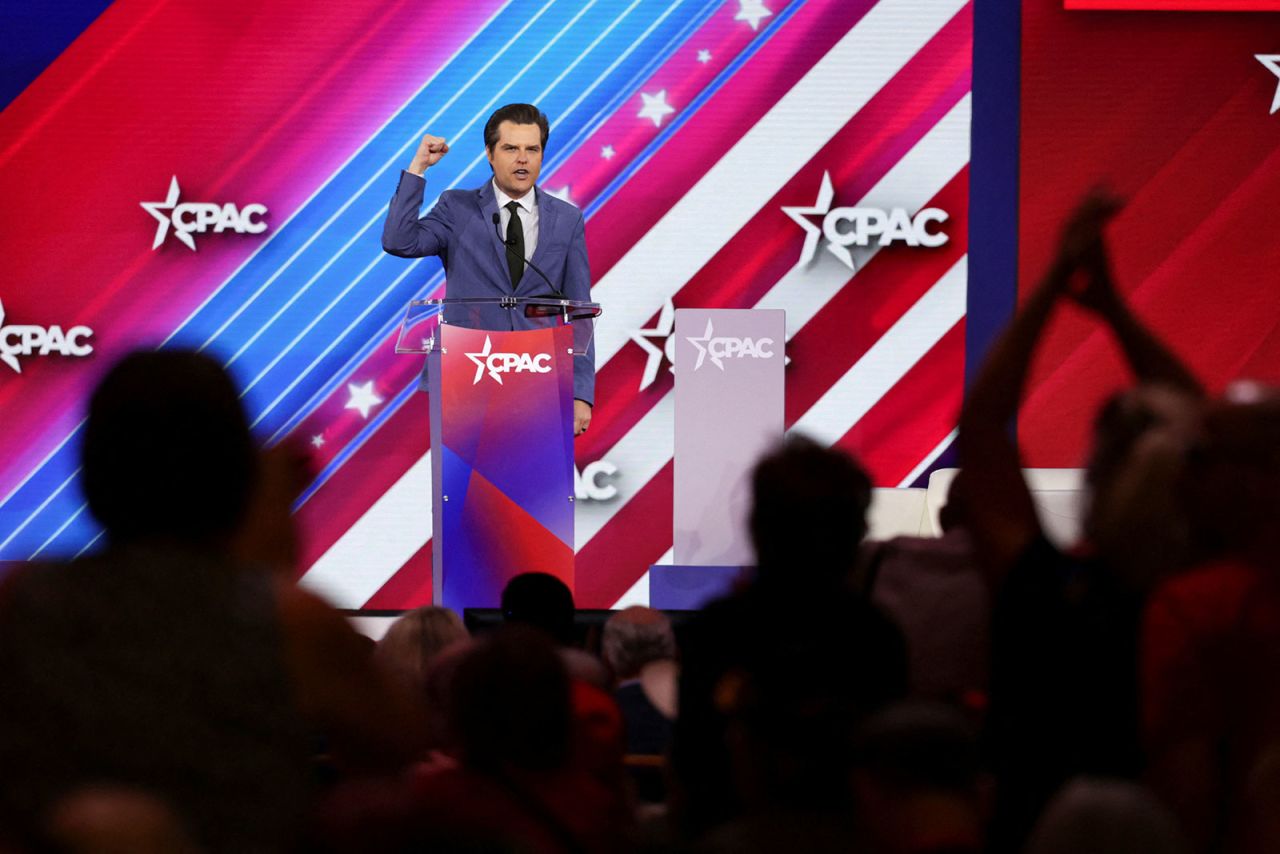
(809, 509)
(167, 452)
(540, 600)
(520, 114)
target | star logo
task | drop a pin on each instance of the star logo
(607, 152)
(703, 344)
(812, 233)
(8, 358)
(1272, 62)
(704, 56)
(655, 107)
(654, 352)
(363, 398)
(165, 219)
(317, 441)
(752, 11)
(481, 359)
(562, 194)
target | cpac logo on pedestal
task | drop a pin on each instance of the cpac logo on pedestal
(846, 227)
(188, 218)
(725, 347)
(29, 340)
(498, 364)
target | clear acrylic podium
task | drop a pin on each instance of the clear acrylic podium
(500, 381)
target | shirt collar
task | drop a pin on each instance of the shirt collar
(526, 201)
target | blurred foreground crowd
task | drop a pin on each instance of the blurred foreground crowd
(983, 691)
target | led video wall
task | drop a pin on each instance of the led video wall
(180, 175)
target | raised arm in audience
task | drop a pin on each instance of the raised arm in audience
(1003, 516)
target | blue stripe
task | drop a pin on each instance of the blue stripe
(993, 176)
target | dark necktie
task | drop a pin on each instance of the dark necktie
(515, 244)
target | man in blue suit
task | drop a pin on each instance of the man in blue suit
(466, 229)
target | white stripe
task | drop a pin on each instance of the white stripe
(387, 536)
(43, 504)
(89, 544)
(888, 360)
(58, 533)
(41, 465)
(761, 162)
(929, 459)
(637, 595)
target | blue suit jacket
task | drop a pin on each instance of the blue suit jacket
(460, 230)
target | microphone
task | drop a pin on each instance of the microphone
(511, 250)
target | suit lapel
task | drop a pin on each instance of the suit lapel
(547, 214)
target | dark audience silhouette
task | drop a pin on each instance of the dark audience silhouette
(176, 690)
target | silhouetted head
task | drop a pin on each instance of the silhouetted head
(542, 601)
(809, 510)
(635, 637)
(1233, 471)
(167, 453)
(1133, 517)
(918, 781)
(416, 638)
(510, 703)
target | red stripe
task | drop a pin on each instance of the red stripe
(914, 416)
(369, 473)
(410, 587)
(615, 558)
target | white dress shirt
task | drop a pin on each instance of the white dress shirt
(528, 216)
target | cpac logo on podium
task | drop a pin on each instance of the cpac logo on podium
(724, 347)
(188, 218)
(30, 340)
(845, 227)
(498, 364)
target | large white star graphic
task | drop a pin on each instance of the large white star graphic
(660, 332)
(363, 398)
(813, 233)
(655, 107)
(8, 358)
(752, 11)
(1272, 62)
(155, 208)
(480, 359)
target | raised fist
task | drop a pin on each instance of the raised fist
(430, 150)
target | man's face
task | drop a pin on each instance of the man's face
(516, 158)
